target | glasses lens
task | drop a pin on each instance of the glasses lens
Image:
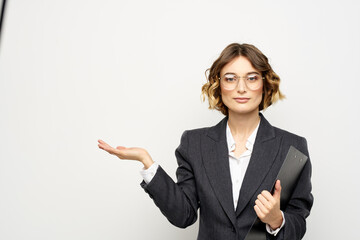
(253, 81)
(229, 81)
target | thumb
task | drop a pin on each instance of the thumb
(277, 191)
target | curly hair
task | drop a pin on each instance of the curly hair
(211, 89)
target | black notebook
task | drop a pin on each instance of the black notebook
(288, 176)
(289, 173)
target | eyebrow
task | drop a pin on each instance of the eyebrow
(248, 73)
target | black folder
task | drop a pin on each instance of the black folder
(288, 176)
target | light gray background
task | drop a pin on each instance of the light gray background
(130, 73)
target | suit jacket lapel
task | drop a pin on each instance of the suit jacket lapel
(216, 162)
(265, 149)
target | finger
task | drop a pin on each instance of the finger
(120, 154)
(261, 206)
(267, 195)
(258, 212)
(277, 191)
(264, 201)
(100, 146)
(120, 147)
(103, 143)
(106, 147)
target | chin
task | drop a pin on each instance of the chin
(243, 110)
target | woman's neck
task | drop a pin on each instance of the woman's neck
(242, 125)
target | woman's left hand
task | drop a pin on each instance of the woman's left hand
(267, 207)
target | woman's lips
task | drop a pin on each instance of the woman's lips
(241, 100)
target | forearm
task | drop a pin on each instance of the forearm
(295, 226)
(177, 204)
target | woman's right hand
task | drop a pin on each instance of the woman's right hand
(133, 153)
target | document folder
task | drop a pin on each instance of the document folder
(288, 176)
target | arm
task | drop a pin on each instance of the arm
(177, 201)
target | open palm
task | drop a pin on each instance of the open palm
(132, 153)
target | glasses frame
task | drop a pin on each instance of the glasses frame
(239, 77)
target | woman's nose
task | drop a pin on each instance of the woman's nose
(241, 87)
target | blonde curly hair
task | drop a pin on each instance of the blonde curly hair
(211, 89)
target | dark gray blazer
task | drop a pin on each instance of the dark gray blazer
(204, 183)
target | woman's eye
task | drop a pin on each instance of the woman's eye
(229, 79)
(252, 78)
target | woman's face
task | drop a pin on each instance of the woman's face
(241, 100)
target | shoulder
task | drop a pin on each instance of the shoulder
(201, 131)
(194, 134)
(286, 134)
(197, 131)
(193, 137)
(289, 138)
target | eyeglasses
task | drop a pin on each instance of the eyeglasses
(252, 81)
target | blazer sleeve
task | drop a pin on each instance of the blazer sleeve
(178, 202)
(300, 203)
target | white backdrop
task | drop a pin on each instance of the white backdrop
(130, 73)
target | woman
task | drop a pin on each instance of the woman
(227, 170)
